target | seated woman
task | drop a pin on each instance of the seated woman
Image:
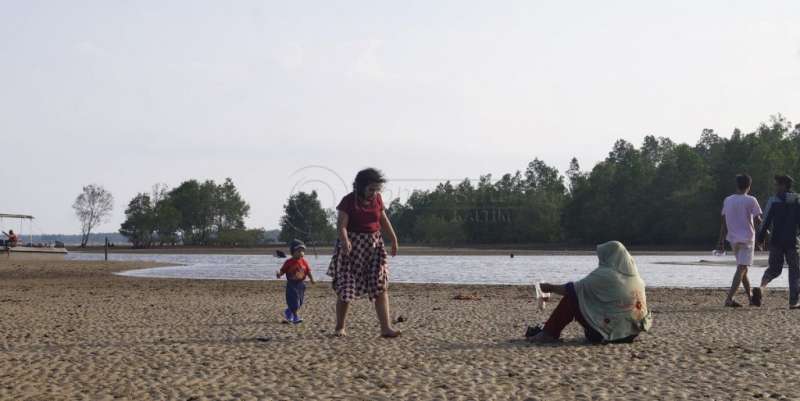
(609, 303)
(12, 239)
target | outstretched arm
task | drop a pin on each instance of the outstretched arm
(762, 230)
(757, 223)
(559, 289)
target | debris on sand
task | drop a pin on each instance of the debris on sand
(467, 297)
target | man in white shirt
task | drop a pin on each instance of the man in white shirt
(738, 227)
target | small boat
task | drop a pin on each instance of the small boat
(21, 251)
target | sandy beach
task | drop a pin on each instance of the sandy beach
(72, 330)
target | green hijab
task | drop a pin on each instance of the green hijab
(612, 298)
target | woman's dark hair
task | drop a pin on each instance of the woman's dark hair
(743, 181)
(366, 177)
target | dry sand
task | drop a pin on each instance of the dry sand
(72, 330)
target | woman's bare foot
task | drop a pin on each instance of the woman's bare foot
(340, 333)
(391, 333)
(542, 338)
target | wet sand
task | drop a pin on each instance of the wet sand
(72, 330)
(327, 249)
(717, 262)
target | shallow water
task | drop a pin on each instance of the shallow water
(452, 269)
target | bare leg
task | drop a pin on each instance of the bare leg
(341, 316)
(746, 283)
(764, 283)
(382, 309)
(737, 281)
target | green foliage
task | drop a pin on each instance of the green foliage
(519, 207)
(663, 193)
(230, 208)
(660, 193)
(167, 220)
(240, 237)
(306, 220)
(139, 223)
(201, 213)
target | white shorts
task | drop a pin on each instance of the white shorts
(744, 253)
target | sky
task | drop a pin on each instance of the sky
(287, 96)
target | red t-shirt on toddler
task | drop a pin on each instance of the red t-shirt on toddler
(362, 219)
(295, 269)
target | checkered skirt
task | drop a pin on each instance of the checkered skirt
(365, 271)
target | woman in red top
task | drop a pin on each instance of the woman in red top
(359, 265)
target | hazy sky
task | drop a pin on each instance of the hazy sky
(129, 94)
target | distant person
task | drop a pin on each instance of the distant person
(296, 270)
(609, 303)
(12, 238)
(359, 264)
(781, 221)
(740, 215)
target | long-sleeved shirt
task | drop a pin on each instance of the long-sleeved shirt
(781, 220)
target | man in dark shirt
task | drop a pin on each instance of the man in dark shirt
(781, 221)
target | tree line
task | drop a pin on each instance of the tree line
(193, 213)
(667, 193)
(660, 193)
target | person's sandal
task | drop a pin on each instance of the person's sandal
(757, 297)
(733, 304)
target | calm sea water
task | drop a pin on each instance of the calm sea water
(677, 272)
